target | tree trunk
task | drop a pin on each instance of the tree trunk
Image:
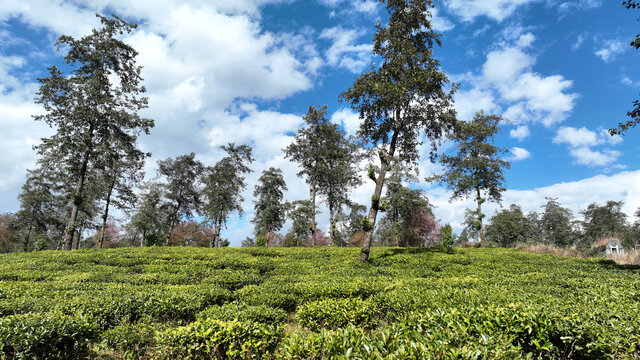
(84, 222)
(26, 239)
(77, 194)
(144, 236)
(215, 241)
(481, 229)
(172, 224)
(106, 212)
(314, 191)
(332, 225)
(385, 159)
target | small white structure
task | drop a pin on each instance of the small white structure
(614, 248)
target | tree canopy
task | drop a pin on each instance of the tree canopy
(407, 97)
(477, 166)
(94, 108)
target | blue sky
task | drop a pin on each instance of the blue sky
(245, 71)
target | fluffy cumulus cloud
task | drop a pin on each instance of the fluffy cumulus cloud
(349, 120)
(521, 132)
(507, 81)
(439, 22)
(581, 142)
(344, 51)
(519, 153)
(610, 49)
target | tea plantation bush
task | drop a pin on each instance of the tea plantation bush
(319, 303)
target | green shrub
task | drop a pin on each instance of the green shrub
(244, 312)
(335, 313)
(216, 339)
(254, 295)
(45, 336)
(130, 341)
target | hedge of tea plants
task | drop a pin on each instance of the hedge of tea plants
(319, 303)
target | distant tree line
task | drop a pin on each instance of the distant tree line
(556, 225)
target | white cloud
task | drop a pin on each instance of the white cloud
(581, 141)
(439, 22)
(608, 138)
(568, 6)
(369, 7)
(468, 102)
(576, 137)
(344, 51)
(497, 10)
(507, 79)
(348, 119)
(610, 49)
(625, 80)
(525, 40)
(585, 156)
(519, 153)
(505, 65)
(520, 133)
(579, 41)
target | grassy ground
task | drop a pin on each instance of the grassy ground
(316, 303)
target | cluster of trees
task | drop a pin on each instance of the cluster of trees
(556, 225)
(93, 162)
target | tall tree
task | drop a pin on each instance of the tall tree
(181, 188)
(94, 108)
(121, 170)
(477, 167)
(634, 114)
(301, 213)
(37, 206)
(404, 97)
(328, 160)
(270, 211)
(223, 186)
(150, 214)
(556, 224)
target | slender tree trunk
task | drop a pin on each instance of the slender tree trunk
(314, 191)
(144, 236)
(332, 225)
(77, 194)
(84, 222)
(26, 239)
(217, 238)
(385, 159)
(172, 224)
(215, 241)
(479, 200)
(106, 212)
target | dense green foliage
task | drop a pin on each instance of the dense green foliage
(201, 303)
(93, 108)
(477, 167)
(404, 98)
